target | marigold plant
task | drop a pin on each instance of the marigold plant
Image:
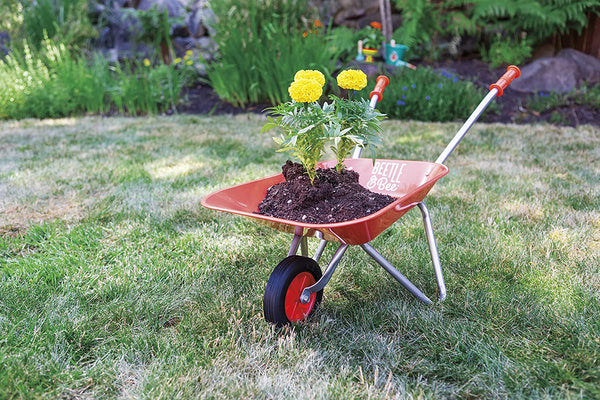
(308, 126)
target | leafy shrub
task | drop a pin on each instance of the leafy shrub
(426, 23)
(62, 20)
(261, 45)
(426, 95)
(504, 51)
(52, 82)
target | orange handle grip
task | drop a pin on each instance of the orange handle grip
(382, 82)
(510, 75)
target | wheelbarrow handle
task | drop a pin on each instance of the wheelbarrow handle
(496, 89)
(511, 74)
(382, 82)
(375, 95)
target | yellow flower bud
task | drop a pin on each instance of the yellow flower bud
(352, 79)
(305, 90)
(310, 74)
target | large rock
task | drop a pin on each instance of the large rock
(589, 67)
(561, 74)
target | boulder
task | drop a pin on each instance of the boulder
(589, 67)
(560, 74)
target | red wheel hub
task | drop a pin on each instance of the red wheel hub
(294, 309)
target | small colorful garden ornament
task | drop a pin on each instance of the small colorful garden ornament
(360, 56)
(372, 40)
(394, 53)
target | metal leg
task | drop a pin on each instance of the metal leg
(296, 242)
(320, 250)
(395, 273)
(305, 297)
(435, 258)
(304, 246)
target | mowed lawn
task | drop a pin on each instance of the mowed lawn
(116, 283)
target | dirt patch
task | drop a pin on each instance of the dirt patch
(334, 197)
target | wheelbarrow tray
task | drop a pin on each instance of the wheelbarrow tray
(408, 181)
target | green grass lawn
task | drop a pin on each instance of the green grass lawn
(116, 283)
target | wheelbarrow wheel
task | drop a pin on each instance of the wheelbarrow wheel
(281, 302)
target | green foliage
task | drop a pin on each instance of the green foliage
(425, 95)
(371, 37)
(155, 28)
(343, 42)
(420, 23)
(308, 127)
(540, 19)
(52, 82)
(359, 125)
(65, 21)
(586, 95)
(12, 16)
(425, 23)
(261, 45)
(504, 51)
(304, 128)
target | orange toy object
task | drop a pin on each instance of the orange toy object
(295, 287)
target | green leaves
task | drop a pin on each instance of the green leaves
(308, 127)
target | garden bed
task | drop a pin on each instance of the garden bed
(202, 99)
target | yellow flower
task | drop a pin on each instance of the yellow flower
(177, 60)
(146, 62)
(189, 53)
(310, 74)
(189, 62)
(352, 79)
(305, 90)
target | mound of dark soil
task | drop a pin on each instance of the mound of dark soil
(334, 197)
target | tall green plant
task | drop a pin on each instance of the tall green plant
(155, 28)
(261, 45)
(66, 21)
(54, 82)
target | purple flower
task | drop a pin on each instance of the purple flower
(404, 88)
(414, 86)
(427, 98)
(403, 97)
(400, 103)
(455, 79)
(440, 85)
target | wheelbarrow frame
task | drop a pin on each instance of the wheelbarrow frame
(311, 293)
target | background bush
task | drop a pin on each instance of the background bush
(53, 82)
(426, 95)
(261, 46)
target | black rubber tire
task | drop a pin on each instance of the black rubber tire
(279, 282)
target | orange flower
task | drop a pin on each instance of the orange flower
(318, 24)
(376, 25)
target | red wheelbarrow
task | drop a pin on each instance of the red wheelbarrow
(295, 287)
